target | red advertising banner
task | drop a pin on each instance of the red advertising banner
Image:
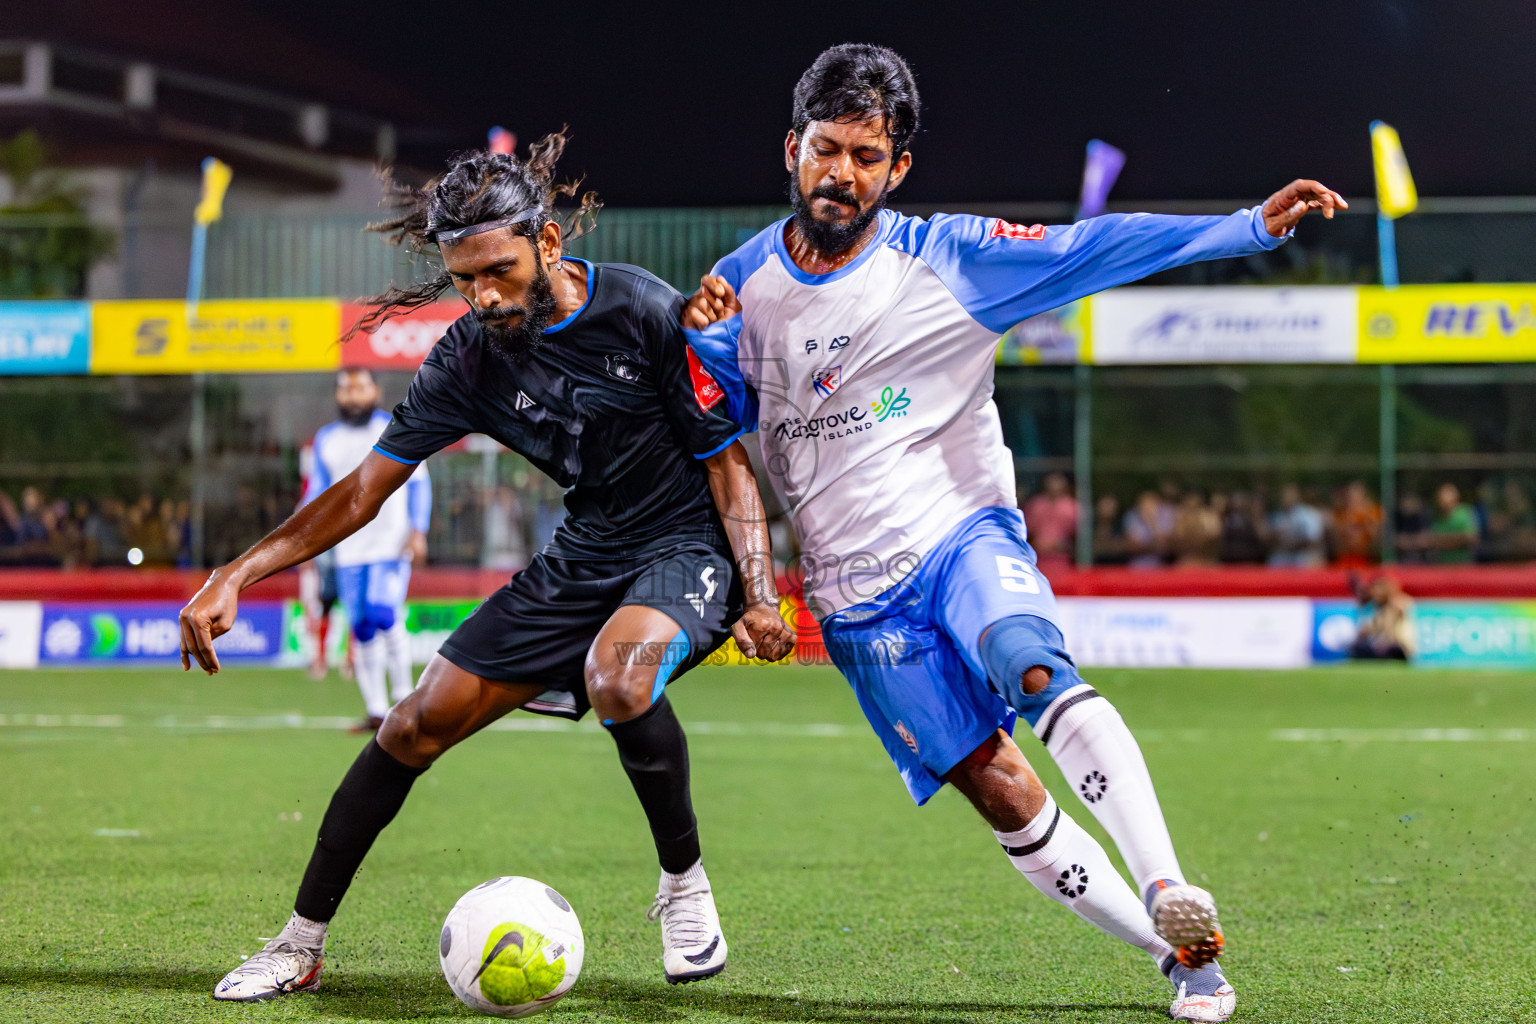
(401, 342)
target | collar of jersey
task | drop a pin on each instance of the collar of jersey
(591, 290)
(885, 219)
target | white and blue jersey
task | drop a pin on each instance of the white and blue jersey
(338, 449)
(871, 389)
(372, 576)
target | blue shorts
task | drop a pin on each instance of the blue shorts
(913, 654)
(373, 595)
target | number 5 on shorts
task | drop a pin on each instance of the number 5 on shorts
(1016, 575)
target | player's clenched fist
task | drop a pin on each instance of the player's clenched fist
(761, 632)
(1283, 209)
(714, 301)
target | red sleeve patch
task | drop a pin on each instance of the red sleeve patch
(1018, 232)
(705, 390)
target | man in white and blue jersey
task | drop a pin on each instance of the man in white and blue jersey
(373, 565)
(860, 343)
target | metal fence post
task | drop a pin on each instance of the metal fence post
(1082, 461)
(199, 443)
(1388, 461)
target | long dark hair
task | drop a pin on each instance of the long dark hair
(478, 186)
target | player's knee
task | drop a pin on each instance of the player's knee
(1036, 679)
(1024, 656)
(406, 736)
(617, 694)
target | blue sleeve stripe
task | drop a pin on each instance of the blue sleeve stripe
(396, 458)
(727, 443)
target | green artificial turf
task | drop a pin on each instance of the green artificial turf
(153, 825)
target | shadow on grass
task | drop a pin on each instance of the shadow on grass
(367, 996)
(421, 994)
(652, 1001)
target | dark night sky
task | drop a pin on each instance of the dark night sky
(682, 104)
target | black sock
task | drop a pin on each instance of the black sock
(368, 799)
(654, 753)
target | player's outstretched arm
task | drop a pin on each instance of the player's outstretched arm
(761, 631)
(338, 512)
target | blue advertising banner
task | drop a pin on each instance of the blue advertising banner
(148, 632)
(1335, 624)
(45, 337)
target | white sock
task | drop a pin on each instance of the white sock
(368, 664)
(304, 932)
(690, 881)
(1069, 866)
(398, 643)
(1100, 759)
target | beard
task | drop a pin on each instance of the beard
(514, 344)
(355, 416)
(835, 237)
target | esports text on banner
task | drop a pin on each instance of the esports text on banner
(234, 336)
(1448, 324)
(45, 337)
(399, 343)
(149, 632)
(1224, 325)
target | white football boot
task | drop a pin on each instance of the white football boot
(693, 947)
(281, 968)
(1201, 995)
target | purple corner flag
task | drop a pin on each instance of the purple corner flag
(1099, 173)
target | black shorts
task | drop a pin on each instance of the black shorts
(538, 627)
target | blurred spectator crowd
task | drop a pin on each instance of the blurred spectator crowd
(38, 531)
(500, 526)
(1297, 528)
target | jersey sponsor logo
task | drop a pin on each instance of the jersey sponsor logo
(831, 426)
(906, 736)
(890, 404)
(1017, 232)
(524, 402)
(826, 380)
(706, 577)
(837, 344)
(706, 390)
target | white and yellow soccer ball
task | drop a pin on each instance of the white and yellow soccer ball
(511, 947)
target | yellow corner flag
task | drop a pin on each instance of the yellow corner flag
(216, 175)
(1395, 193)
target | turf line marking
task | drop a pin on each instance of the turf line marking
(785, 730)
(333, 723)
(1404, 735)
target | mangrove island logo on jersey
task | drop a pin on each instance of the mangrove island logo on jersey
(892, 403)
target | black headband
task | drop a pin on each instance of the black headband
(451, 235)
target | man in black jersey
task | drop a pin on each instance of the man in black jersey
(583, 370)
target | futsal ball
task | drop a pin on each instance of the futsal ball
(511, 947)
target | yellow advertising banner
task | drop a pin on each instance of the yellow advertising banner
(1439, 323)
(223, 336)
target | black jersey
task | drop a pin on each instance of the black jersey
(612, 406)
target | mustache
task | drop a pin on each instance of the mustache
(837, 195)
(496, 314)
